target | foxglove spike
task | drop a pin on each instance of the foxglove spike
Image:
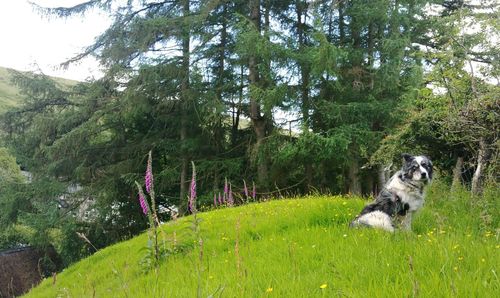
(245, 189)
(149, 174)
(144, 205)
(226, 190)
(142, 200)
(192, 194)
(230, 200)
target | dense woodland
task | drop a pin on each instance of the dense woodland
(290, 96)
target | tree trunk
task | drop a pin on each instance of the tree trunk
(371, 53)
(308, 171)
(368, 185)
(482, 157)
(382, 176)
(341, 23)
(354, 181)
(184, 106)
(236, 120)
(371, 44)
(395, 22)
(300, 9)
(258, 121)
(222, 54)
(457, 173)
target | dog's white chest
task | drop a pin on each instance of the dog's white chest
(412, 197)
(414, 200)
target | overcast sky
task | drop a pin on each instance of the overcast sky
(30, 41)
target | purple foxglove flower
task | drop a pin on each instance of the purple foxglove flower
(226, 190)
(220, 199)
(230, 200)
(215, 199)
(142, 199)
(143, 203)
(245, 189)
(192, 194)
(149, 174)
(253, 191)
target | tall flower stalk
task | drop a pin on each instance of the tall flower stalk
(230, 200)
(148, 182)
(192, 192)
(142, 201)
(148, 177)
(226, 190)
(245, 189)
(196, 229)
(150, 212)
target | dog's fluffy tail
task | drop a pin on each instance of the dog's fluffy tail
(374, 219)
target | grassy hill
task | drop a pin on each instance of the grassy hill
(303, 248)
(9, 93)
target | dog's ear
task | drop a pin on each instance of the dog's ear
(407, 157)
(430, 167)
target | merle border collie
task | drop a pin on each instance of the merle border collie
(402, 196)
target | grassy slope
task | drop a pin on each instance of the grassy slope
(9, 93)
(295, 246)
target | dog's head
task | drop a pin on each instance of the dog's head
(417, 168)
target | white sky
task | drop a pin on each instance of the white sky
(30, 41)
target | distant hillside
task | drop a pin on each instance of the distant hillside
(9, 93)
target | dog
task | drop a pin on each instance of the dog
(401, 197)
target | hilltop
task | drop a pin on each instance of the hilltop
(9, 93)
(301, 248)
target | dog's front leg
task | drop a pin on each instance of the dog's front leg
(406, 222)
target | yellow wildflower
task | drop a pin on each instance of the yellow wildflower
(323, 286)
(269, 290)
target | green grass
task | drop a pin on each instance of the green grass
(295, 246)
